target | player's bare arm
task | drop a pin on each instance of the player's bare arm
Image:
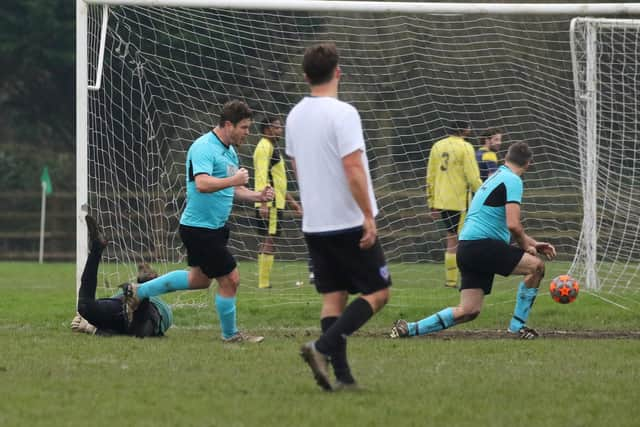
(547, 249)
(357, 179)
(293, 204)
(517, 230)
(210, 184)
(526, 242)
(247, 195)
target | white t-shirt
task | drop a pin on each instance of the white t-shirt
(320, 131)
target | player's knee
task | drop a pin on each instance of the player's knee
(378, 299)
(198, 280)
(385, 295)
(539, 268)
(470, 314)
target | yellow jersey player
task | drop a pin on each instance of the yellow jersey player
(487, 155)
(452, 175)
(269, 168)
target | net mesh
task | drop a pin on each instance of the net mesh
(167, 71)
(612, 87)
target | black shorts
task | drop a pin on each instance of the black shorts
(340, 265)
(451, 220)
(479, 260)
(269, 226)
(207, 249)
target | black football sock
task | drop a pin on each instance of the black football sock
(339, 358)
(356, 314)
(89, 279)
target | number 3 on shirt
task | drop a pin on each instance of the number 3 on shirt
(444, 166)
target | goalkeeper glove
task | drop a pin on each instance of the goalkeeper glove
(80, 324)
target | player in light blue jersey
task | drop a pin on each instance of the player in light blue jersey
(214, 178)
(484, 250)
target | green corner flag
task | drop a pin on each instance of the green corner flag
(46, 181)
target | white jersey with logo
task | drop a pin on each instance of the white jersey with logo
(320, 131)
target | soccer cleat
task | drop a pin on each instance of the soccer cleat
(312, 278)
(241, 337)
(451, 285)
(131, 300)
(525, 333)
(145, 273)
(319, 364)
(400, 329)
(95, 235)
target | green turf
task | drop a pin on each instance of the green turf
(50, 376)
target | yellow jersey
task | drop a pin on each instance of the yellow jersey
(452, 174)
(269, 169)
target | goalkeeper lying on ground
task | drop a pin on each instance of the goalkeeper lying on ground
(107, 316)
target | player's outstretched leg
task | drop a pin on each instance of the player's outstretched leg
(89, 279)
(400, 329)
(436, 322)
(471, 301)
(94, 232)
(174, 281)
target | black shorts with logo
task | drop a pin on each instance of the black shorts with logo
(451, 220)
(480, 260)
(207, 249)
(340, 265)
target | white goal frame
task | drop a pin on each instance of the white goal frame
(83, 86)
(587, 99)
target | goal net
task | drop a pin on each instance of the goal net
(606, 62)
(164, 73)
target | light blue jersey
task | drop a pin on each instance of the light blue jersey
(487, 217)
(165, 313)
(210, 156)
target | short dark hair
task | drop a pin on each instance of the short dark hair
(234, 111)
(319, 62)
(268, 122)
(457, 127)
(490, 132)
(519, 153)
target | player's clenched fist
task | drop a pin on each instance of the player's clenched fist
(241, 177)
(266, 195)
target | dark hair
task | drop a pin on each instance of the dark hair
(490, 132)
(268, 122)
(234, 111)
(458, 127)
(519, 153)
(319, 62)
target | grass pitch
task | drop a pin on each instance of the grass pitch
(472, 376)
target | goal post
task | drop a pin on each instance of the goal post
(152, 75)
(606, 64)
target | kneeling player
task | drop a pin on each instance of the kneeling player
(484, 250)
(107, 316)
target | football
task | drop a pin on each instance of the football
(564, 289)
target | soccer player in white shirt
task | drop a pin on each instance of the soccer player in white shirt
(325, 141)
